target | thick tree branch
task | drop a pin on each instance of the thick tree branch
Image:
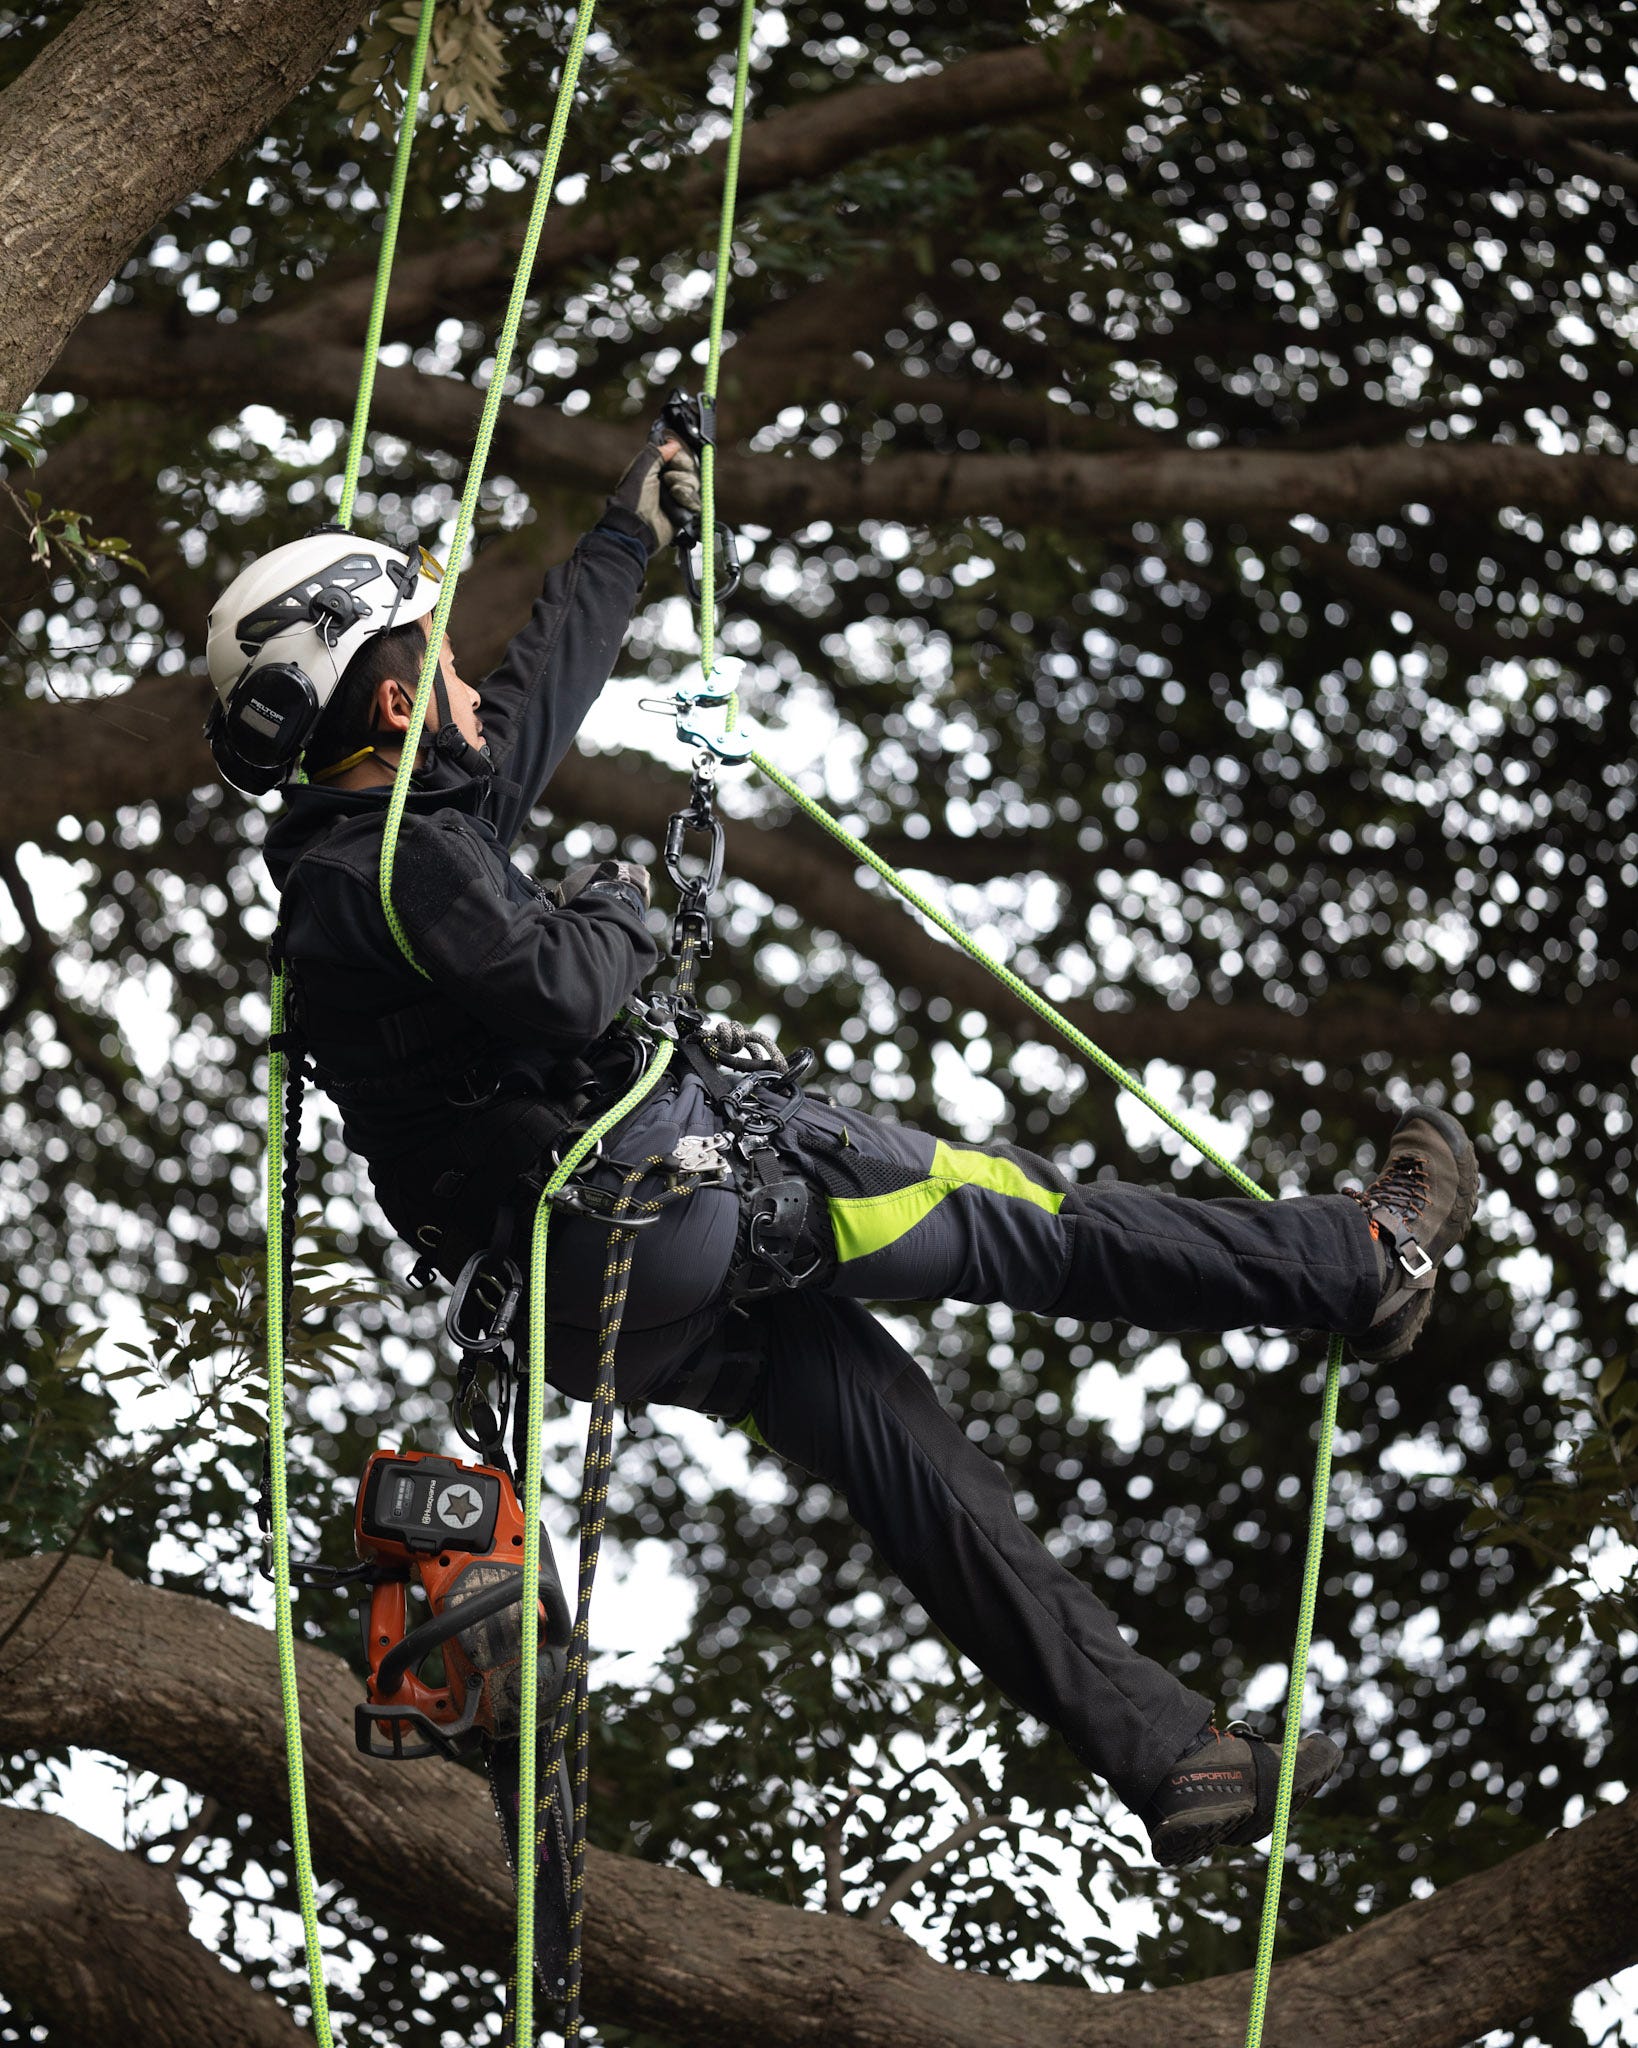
(792, 146)
(146, 743)
(1390, 64)
(129, 110)
(130, 354)
(96, 1943)
(805, 870)
(671, 1955)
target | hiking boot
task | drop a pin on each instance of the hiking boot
(1225, 1792)
(1420, 1206)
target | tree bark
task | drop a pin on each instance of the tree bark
(124, 114)
(95, 1942)
(672, 1955)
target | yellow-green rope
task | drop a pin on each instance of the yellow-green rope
(584, 1147)
(277, 1307)
(279, 1516)
(383, 266)
(545, 179)
(1061, 1024)
(713, 360)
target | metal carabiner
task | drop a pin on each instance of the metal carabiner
(483, 1303)
(726, 581)
(698, 817)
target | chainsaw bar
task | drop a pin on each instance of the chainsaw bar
(502, 1761)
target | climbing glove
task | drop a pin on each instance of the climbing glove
(663, 491)
(626, 879)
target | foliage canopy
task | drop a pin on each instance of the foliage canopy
(1189, 476)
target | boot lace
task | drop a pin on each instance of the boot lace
(1404, 1188)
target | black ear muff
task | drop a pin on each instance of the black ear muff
(257, 736)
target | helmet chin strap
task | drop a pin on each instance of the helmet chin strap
(449, 741)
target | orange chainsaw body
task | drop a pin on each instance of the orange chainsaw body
(457, 1532)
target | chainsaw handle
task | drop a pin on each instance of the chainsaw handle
(405, 1656)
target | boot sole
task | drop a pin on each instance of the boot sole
(1187, 1836)
(1390, 1341)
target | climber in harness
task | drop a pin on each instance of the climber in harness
(461, 1080)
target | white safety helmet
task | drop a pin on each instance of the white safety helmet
(282, 633)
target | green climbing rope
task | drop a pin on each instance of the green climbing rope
(713, 360)
(584, 1148)
(383, 266)
(277, 1076)
(279, 1516)
(1333, 1364)
(545, 179)
(1061, 1024)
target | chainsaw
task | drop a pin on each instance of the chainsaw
(452, 1535)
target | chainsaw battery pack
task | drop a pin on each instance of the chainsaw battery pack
(416, 1504)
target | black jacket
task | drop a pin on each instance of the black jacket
(446, 1084)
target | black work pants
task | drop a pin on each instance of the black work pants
(909, 1216)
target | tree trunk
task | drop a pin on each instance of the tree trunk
(129, 110)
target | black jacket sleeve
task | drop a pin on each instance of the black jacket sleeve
(530, 971)
(550, 676)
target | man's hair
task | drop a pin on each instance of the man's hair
(345, 724)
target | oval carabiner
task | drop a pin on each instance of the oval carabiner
(678, 826)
